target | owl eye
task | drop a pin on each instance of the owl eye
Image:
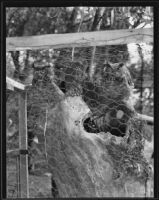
(130, 82)
(119, 79)
(120, 65)
(106, 66)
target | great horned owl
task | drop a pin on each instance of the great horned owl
(119, 71)
(74, 76)
(116, 80)
(112, 83)
(41, 76)
(107, 97)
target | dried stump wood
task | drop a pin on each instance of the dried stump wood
(79, 161)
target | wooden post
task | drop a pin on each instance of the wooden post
(23, 145)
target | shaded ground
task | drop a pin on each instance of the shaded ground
(39, 186)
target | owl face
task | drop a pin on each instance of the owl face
(74, 74)
(41, 75)
(113, 73)
(117, 73)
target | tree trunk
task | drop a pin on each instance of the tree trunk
(71, 27)
(141, 77)
(95, 27)
(79, 27)
(81, 163)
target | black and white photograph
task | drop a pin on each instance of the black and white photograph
(79, 101)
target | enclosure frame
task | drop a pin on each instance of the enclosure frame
(23, 186)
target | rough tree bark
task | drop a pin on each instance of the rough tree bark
(80, 162)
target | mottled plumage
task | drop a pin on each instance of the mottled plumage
(107, 96)
(74, 76)
(41, 76)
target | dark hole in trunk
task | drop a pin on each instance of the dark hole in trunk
(62, 86)
(54, 189)
(91, 127)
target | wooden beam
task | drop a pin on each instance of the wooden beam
(96, 38)
(12, 83)
(10, 87)
(23, 145)
(14, 152)
(149, 119)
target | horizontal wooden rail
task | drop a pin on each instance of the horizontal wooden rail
(96, 38)
(13, 152)
(149, 119)
(12, 83)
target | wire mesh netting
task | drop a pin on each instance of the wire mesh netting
(114, 89)
(12, 145)
(12, 177)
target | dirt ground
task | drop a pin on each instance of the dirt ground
(39, 184)
(39, 187)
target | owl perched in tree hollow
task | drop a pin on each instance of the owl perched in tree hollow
(74, 76)
(107, 97)
(41, 76)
